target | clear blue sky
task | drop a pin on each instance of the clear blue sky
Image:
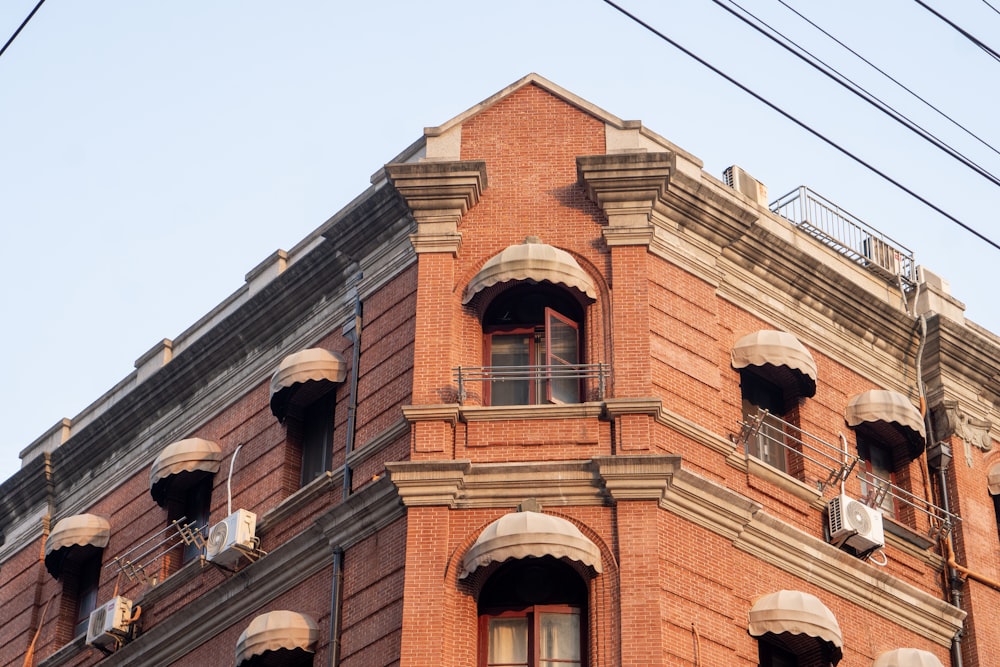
(152, 153)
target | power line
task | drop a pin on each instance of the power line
(890, 77)
(857, 90)
(991, 6)
(803, 125)
(21, 27)
(972, 38)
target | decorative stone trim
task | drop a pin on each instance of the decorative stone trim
(447, 412)
(438, 194)
(475, 413)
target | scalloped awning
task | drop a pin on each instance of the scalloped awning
(184, 456)
(304, 368)
(530, 534)
(780, 358)
(890, 418)
(532, 260)
(907, 657)
(276, 631)
(798, 614)
(80, 532)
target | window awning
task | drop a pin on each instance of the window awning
(184, 456)
(313, 368)
(276, 631)
(889, 417)
(907, 657)
(993, 479)
(796, 613)
(780, 358)
(78, 533)
(530, 534)
(532, 260)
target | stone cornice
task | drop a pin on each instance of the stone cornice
(445, 412)
(963, 366)
(614, 479)
(438, 194)
(843, 575)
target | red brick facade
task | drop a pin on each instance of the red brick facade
(649, 467)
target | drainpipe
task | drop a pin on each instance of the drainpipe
(954, 581)
(352, 406)
(336, 597)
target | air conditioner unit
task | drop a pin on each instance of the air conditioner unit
(109, 622)
(231, 538)
(853, 523)
(881, 255)
(743, 182)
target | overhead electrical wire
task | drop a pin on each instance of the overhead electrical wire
(854, 88)
(890, 77)
(960, 30)
(985, 2)
(21, 27)
(803, 125)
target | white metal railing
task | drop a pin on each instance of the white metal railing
(801, 446)
(592, 378)
(847, 234)
(133, 563)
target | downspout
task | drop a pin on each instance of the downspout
(954, 581)
(337, 578)
(352, 405)
(336, 597)
(50, 506)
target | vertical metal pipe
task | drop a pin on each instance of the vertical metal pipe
(336, 597)
(352, 407)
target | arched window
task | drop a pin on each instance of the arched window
(532, 613)
(531, 336)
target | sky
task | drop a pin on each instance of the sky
(153, 153)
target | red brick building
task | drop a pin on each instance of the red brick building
(547, 393)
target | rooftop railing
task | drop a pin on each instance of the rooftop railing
(847, 234)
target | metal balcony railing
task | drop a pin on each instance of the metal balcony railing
(847, 234)
(812, 458)
(575, 383)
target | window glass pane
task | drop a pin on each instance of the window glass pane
(879, 464)
(86, 593)
(510, 350)
(563, 352)
(558, 639)
(317, 439)
(508, 640)
(197, 505)
(766, 445)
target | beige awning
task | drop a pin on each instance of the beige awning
(275, 631)
(524, 534)
(313, 365)
(891, 419)
(81, 531)
(779, 356)
(907, 657)
(993, 479)
(795, 613)
(532, 260)
(183, 456)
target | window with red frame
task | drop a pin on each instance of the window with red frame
(532, 344)
(879, 472)
(532, 613)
